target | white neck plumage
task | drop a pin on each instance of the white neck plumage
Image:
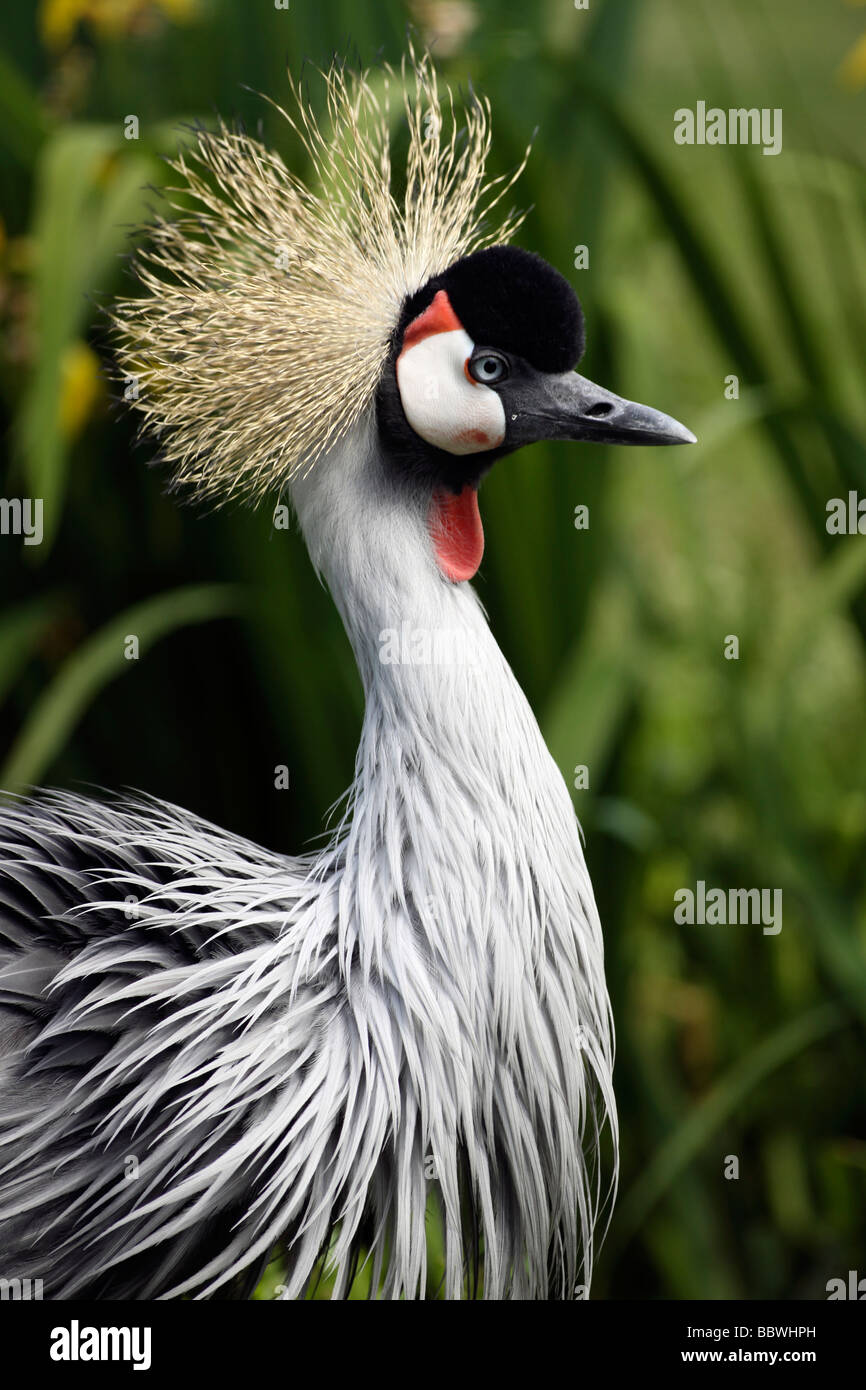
(465, 903)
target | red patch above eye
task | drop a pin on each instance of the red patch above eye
(438, 317)
(457, 533)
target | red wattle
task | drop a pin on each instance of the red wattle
(438, 317)
(457, 533)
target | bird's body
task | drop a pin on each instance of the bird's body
(328, 1034)
(209, 1048)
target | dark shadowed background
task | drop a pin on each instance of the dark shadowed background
(705, 263)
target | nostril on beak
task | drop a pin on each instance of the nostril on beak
(600, 409)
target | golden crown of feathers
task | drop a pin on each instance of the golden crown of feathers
(268, 307)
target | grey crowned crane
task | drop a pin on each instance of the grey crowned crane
(301, 1052)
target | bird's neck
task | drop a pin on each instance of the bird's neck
(451, 765)
(368, 536)
(427, 658)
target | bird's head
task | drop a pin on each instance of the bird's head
(482, 362)
(283, 324)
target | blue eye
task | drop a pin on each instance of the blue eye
(488, 367)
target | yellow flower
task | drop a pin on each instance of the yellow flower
(184, 11)
(80, 387)
(58, 19)
(852, 73)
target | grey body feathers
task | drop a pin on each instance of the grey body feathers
(262, 1047)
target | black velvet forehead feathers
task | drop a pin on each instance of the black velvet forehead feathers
(513, 300)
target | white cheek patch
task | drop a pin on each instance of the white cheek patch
(441, 402)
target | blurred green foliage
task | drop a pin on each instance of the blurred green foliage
(704, 263)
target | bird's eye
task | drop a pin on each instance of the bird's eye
(488, 367)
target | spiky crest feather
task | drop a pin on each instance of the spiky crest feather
(269, 306)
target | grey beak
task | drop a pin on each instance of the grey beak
(568, 406)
